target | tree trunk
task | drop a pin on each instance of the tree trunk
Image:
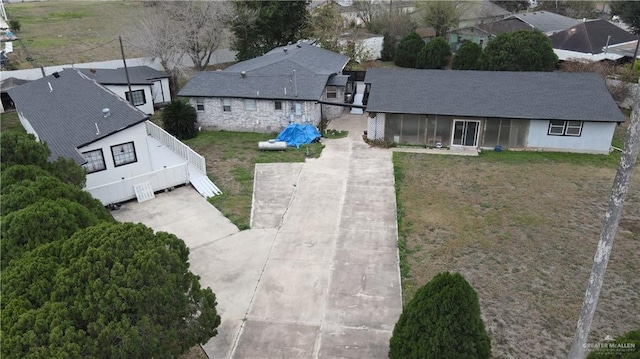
(609, 229)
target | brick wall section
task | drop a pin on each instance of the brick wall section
(264, 119)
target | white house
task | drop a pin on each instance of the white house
(290, 84)
(548, 111)
(149, 87)
(125, 155)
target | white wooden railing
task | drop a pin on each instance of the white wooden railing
(122, 190)
(176, 146)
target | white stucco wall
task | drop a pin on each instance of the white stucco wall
(595, 138)
(120, 90)
(138, 135)
(265, 118)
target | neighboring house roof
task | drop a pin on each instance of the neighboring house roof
(481, 9)
(11, 82)
(138, 75)
(519, 95)
(66, 111)
(590, 37)
(338, 80)
(547, 22)
(625, 49)
(503, 26)
(296, 72)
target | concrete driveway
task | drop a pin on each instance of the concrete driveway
(317, 275)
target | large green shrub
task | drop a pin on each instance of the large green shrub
(434, 54)
(179, 119)
(407, 50)
(467, 57)
(442, 321)
(522, 50)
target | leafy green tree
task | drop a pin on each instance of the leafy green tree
(389, 44)
(39, 223)
(179, 118)
(629, 12)
(21, 194)
(632, 338)
(407, 50)
(260, 26)
(23, 149)
(522, 50)
(441, 321)
(434, 54)
(109, 291)
(68, 171)
(441, 15)
(467, 57)
(325, 26)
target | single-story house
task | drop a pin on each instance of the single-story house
(549, 111)
(124, 154)
(149, 87)
(290, 84)
(590, 40)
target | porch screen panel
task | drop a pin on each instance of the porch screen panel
(410, 129)
(505, 131)
(392, 125)
(422, 129)
(518, 136)
(431, 130)
(443, 130)
(491, 132)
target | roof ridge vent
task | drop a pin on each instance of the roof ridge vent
(243, 74)
(105, 112)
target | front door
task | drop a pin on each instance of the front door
(465, 133)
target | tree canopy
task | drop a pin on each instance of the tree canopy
(179, 118)
(441, 15)
(407, 50)
(467, 57)
(21, 148)
(629, 12)
(442, 321)
(109, 291)
(260, 26)
(522, 50)
(434, 54)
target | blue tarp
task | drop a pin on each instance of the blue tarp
(297, 134)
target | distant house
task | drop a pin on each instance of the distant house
(290, 84)
(125, 155)
(549, 111)
(149, 87)
(591, 40)
(480, 12)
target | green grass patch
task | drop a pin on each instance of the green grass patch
(521, 157)
(231, 159)
(9, 121)
(334, 134)
(67, 15)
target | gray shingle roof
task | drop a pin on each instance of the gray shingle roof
(524, 95)
(65, 114)
(546, 21)
(267, 76)
(138, 75)
(10, 82)
(590, 37)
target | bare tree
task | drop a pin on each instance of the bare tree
(609, 229)
(366, 10)
(441, 15)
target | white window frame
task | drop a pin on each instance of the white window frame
(95, 161)
(226, 105)
(332, 92)
(138, 96)
(199, 104)
(250, 104)
(565, 128)
(124, 154)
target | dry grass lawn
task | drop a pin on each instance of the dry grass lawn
(522, 228)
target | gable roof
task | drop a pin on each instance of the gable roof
(10, 82)
(545, 21)
(66, 111)
(296, 72)
(481, 9)
(520, 95)
(590, 37)
(138, 75)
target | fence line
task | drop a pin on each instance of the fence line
(177, 146)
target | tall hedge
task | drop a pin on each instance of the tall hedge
(467, 57)
(434, 54)
(441, 321)
(407, 50)
(522, 50)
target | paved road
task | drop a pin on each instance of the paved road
(317, 275)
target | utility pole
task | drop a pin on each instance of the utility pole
(609, 229)
(126, 71)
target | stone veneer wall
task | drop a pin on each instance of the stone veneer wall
(264, 119)
(330, 112)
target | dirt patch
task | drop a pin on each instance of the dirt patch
(524, 235)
